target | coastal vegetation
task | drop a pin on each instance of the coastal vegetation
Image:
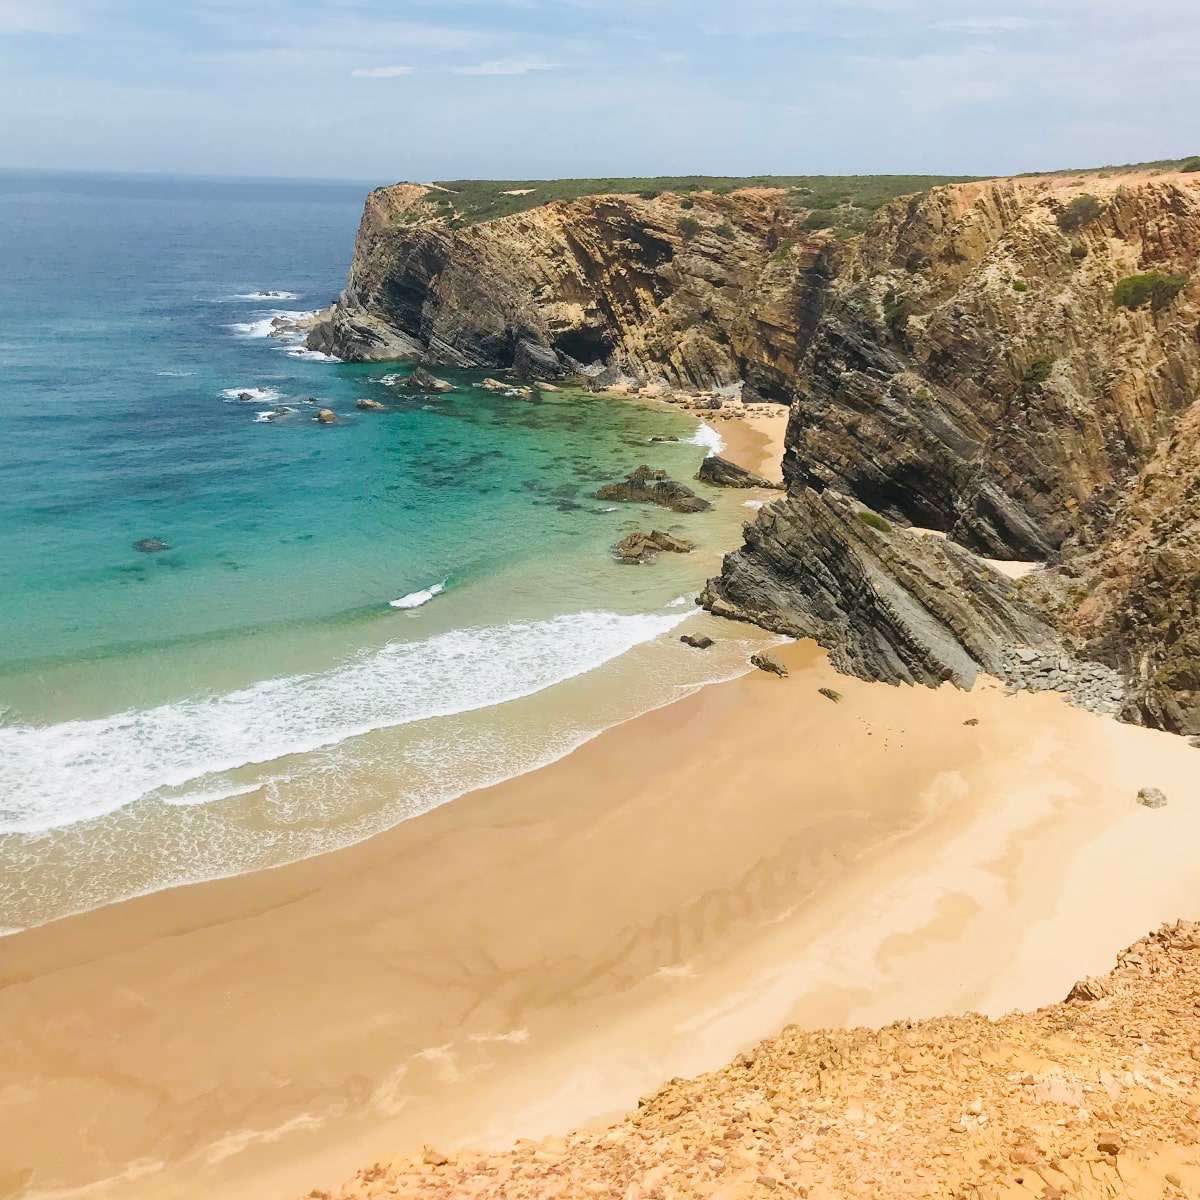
(1154, 288)
(1083, 210)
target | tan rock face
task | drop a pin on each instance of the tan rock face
(604, 278)
(1092, 1098)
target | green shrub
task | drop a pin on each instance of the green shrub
(1019, 285)
(649, 195)
(1078, 251)
(895, 311)
(724, 230)
(1083, 210)
(819, 218)
(1153, 288)
(1038, 372)
(687, 202)
(689, 226)
(874, 521)
(1190, 165)
(783, 251)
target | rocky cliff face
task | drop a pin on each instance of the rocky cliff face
(971, 372)
(962, 366)
(721, 292)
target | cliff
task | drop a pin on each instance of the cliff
(722, 291)
(1092, 1098)
(1012, 363)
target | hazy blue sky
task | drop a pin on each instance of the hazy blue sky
(420, 89)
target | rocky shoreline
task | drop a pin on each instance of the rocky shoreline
(970, 365)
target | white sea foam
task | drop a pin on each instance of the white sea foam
(264, 326)
(752, 504)
(253, 395)
(680, 601)
(416, 599)
(312, 355)
(271, 414)
(55, 776)
(708, 437)
(174, 374)
(267, 296)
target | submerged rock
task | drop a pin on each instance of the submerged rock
(422, 380)
(646, 486)
(720, 472)
(699, 641)
(645, 547)
(150, 546)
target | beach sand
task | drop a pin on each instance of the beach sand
(537, 955)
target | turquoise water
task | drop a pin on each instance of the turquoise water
(251, 695)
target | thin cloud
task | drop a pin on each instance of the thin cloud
(507, 66)
(990, 24)
(35, 16)
(381, 72)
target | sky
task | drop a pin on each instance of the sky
(383, 90)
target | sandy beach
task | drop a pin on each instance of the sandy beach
(536, 955)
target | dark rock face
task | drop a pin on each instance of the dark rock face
(645, 486)
(720, 472)
(531, 360)
(886, 603)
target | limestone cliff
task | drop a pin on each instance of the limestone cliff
(973, 363)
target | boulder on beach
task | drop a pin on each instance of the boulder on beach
(647, 486)
(422, 380)
(699, 641)
(720, 472)
(150, 545)
(645, 547)
(766, 661)
(326, 416)
(368, 405)
(1151, 797)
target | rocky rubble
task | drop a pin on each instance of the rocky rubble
(1093, 1098)
(647, 486)
(1089, 685)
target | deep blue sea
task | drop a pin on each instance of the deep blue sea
(251, 695)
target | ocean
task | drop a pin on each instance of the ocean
(351, 623)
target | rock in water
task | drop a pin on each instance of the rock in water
(422, 380)
(720, 472)
(369, 405)
(697, 640)
(667, 438)
(326, 417)
(645, 547)
(1151, 798)
(151, 546)
(766, 661)
(645, 486)
(531, 360)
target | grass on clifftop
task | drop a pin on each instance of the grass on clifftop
(473, 200)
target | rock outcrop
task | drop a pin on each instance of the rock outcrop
(713, 295)
(640, 548)
(646, 486)
(720, 472)
(886, 603)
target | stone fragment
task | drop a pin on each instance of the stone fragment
(1151, 797)
(766, 661)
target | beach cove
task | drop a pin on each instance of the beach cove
(538, 954)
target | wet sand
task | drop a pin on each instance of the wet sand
(538, 954)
